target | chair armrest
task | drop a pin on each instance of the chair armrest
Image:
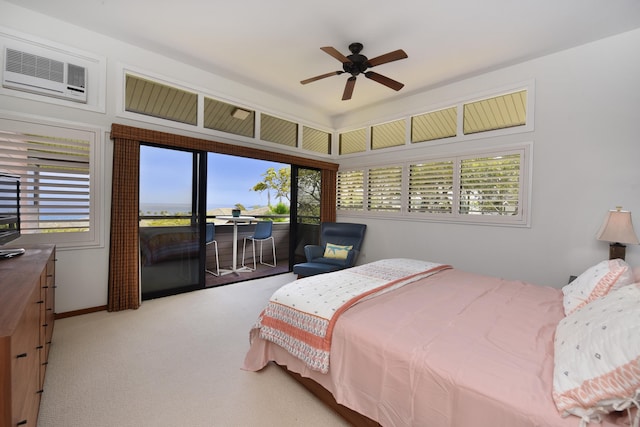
(351, 257)
(313, 251)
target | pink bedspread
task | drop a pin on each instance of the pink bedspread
(453, 349)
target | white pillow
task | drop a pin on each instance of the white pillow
(597, 356)
(595, 282)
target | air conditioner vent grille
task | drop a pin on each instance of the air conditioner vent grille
(36, 66)
(75, 75)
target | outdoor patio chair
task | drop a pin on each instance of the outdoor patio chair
(262, 233)
(210, 240)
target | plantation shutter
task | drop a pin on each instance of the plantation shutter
(54, 180)
(350, 190)
(385, 189)
(490, 185)
(431, 187)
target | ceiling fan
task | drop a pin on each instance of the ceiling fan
(356, 63)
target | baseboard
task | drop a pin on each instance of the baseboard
(80, 312)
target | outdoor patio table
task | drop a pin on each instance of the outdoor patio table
(235, 220)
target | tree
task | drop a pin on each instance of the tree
(260, 187)
(279, 181)
(308, 193)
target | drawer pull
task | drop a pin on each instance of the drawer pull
(45, 325)
(39, 391)
(40, 302)
(22, 423)
(39, 347)
(21, 355)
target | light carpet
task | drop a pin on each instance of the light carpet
(176, 361)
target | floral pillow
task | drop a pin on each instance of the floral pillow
(597, 356)
(337, 251)
(595, 282)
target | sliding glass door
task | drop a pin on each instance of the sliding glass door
(305, 198)
(181, 190)
(169, 226)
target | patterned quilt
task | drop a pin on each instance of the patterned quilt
(300, 316)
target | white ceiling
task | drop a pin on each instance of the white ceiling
(274, 44)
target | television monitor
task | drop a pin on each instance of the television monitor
(9, 213)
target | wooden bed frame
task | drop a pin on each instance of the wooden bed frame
(353, 417)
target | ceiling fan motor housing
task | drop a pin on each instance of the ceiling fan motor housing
(357, 65)
(358, 62)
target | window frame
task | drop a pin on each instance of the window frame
(459, 137)
(391, 178)
(493, 103)
(309, 140)
(58, 129)
(525, 150)
(389, 134)
(352, 189)
(257, 112)
(346, 148)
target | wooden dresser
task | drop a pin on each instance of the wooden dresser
(27, 311)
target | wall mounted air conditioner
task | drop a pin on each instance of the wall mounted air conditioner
(45, 76)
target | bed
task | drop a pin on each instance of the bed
(448, 348)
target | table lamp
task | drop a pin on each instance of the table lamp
(618, 229)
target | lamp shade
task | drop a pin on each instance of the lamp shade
(617, 228)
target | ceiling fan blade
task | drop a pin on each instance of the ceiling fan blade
(384, 80)
(387, 57)
(322, 76)
(334, 52)
(348, 88)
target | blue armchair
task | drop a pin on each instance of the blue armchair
(334, 234)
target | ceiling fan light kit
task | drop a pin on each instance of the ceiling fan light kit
(356, 64)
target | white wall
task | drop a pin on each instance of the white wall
(585, 149)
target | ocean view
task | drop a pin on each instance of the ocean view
(171, 208)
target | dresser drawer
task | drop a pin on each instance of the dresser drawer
(25, 364)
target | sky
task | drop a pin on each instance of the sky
(165, 177)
